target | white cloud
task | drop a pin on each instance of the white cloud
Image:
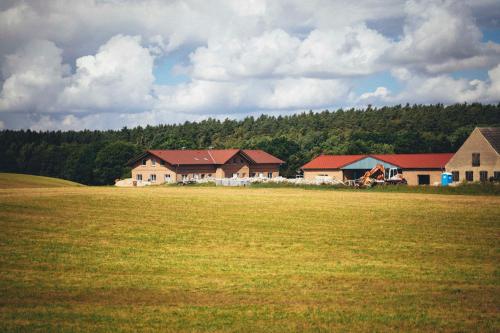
(401, 73)
(297, 93)
(442, 89)
(202, 96)
(34, 76)
(380, 94)
(438, 89)
(494, 88)
(90, 64)
(348, 51)
(442, 36)
(119, 77)
(237, 58)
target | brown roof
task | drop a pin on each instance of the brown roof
(405, 161)
(492, 134)
(210, 156)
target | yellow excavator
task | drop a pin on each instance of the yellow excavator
(379, 175)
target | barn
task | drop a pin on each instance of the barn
(417, 169)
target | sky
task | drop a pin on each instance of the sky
(90, 64)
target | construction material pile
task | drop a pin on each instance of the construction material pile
(276, 180)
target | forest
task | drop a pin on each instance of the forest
(99, 157)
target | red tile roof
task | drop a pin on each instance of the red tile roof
(332, 161)
(416, 161)
(262, 157)
(405, 161)
(212, 156)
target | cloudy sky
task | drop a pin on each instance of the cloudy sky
(108, 64)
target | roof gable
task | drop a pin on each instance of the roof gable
(367, 163)
(492, 135)
(221, 156)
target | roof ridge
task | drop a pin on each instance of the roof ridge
(375, 156)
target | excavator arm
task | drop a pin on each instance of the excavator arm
(366, 179)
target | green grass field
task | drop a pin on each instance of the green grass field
(185, 259)
(16, 180)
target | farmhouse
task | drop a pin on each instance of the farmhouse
(160, 166)
(417, 169)
(479, 157)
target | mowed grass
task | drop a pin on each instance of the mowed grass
(186, 259)
(16, 180)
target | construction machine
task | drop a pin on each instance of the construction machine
(394, 177)
(380, 175)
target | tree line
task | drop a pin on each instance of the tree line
(99, 157)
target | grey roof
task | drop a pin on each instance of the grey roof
(492, 134)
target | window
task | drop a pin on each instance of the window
(162, 162)
(483, 176)
(153, 178)
(469, 176)
(143, 161)
(184, 177)
(496, 175)
(269, 175)
(424, 179)
(138, 177)
(252, 174)
(476, 159)
(202, 176)
(153, 162)
(456, 176)
(167, 177)
(209, 175)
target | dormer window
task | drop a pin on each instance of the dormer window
(143, 161)
(153, 162)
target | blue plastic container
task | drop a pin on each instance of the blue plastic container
(446, 178)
